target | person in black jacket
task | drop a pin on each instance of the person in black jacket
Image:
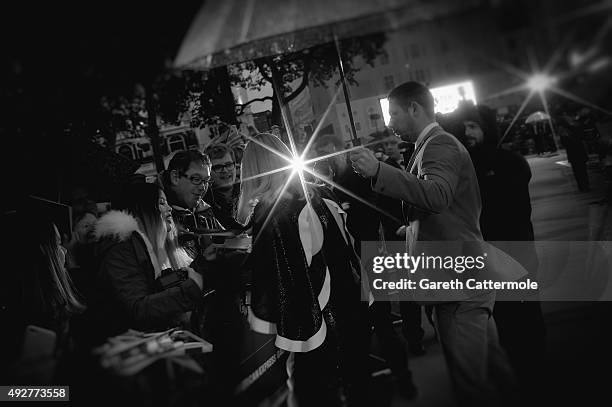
(364, 223)
(305, 278)
(134, 248)
(503, 178)
(392, 223)
(186, 181)
(569, 133)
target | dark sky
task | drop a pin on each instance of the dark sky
(58, 58)
(64, 43)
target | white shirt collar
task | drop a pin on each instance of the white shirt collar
(424, 132)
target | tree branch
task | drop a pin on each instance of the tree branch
(262, 72)
(244, 105)
(299, 89)
(304, 83)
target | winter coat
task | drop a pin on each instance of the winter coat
(126, 294)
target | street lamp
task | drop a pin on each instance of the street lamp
(539, 82)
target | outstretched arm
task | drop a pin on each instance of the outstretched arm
(434, 190)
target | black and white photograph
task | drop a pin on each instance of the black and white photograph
(295, 203)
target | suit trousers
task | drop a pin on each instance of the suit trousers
(479, 369)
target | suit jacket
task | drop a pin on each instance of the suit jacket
(441, 183)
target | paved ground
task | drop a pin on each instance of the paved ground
(578, 341)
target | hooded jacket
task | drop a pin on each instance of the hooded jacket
(127, 295)
(503, 178)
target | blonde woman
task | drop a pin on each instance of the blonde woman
(305, 286)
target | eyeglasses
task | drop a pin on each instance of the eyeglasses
(197, 180)
(220, 167)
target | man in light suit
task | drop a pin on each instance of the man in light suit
(440, 189)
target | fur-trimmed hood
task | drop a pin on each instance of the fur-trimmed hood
(119, 226)
(116, 224)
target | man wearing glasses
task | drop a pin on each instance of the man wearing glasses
(224, 192)
(185, 182)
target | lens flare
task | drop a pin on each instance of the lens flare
(298, 164)
(539, 82)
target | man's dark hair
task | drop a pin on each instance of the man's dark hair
(486, 118)
(409, 92)
(181, 161)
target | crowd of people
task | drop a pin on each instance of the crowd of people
(303, 271)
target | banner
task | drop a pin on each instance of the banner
(437, 272)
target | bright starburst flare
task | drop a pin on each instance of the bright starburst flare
(542, 81)
(298, 165)
(539, 82)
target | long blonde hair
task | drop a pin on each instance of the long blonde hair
(256, 160)
(177, 256)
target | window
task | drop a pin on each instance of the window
(176, 143)
(126, 151)
(144, 151)
(389, 82)
(374, 118)
(414, 50)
